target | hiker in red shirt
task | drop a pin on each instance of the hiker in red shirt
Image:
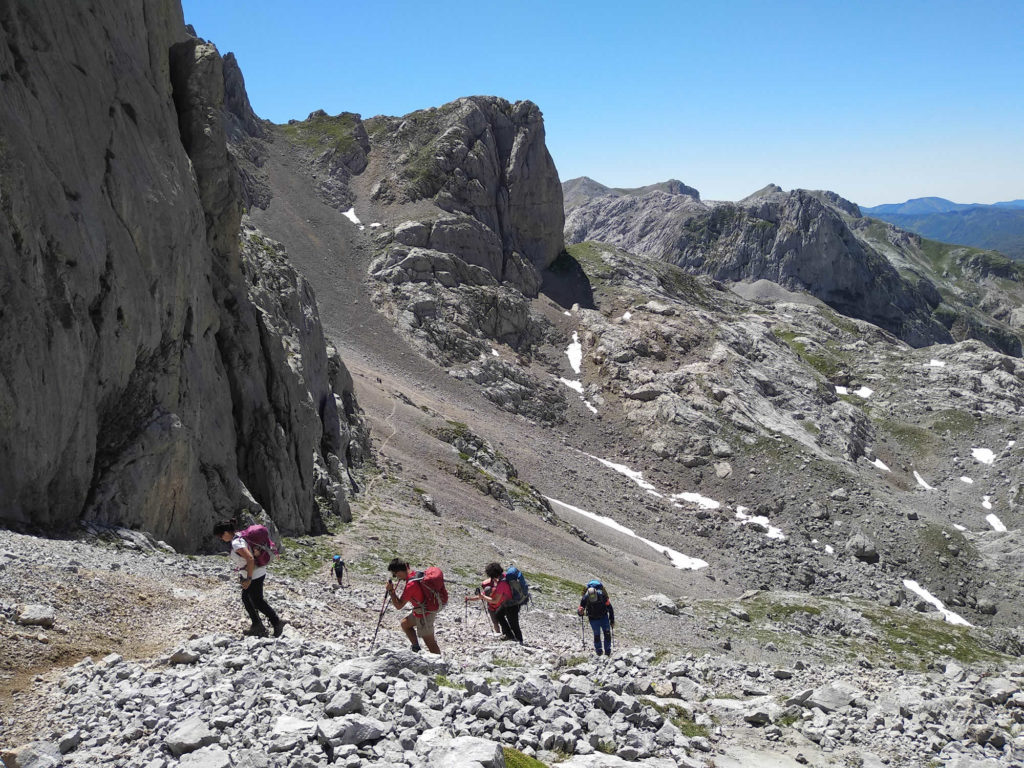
(424, 605)
(499, 602)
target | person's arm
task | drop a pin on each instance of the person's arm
(611, 613)
(396, 601)
(250, 565)
(583, 600)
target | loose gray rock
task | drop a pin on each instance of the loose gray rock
(36, 616)
(189, 736)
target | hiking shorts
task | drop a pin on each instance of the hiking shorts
(424, 623)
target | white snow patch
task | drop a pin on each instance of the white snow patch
(678, 559)
(881, 465)
(829, 550)
(842, 391)
(622, 469)
(921, 482)
(995, 522)
(495, 352)
(1011, 443)
(374, 225)
(626, 315)
(986, 502)
(984, 455)
(960, 527)
(762, 522)
(933, 363)
(575, 353)
(966, 479)
(567, 313)
(573, 385)
(695, 498)
(361, 227)
(928, 597)
(590, 406)
(864, 392)
(350, 214)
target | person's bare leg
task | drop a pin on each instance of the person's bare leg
(408, 626)
(431, 644)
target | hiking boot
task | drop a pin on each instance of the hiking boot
(279, 628)
(507, 637)
(414, 648)
(255, 630)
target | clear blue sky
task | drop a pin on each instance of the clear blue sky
(879, 101)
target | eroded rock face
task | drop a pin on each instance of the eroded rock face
(483, 157)
(152, 379)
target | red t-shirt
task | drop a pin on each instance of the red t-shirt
(413, 592)
(503, 592)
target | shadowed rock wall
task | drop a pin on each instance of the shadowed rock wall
(140, 383)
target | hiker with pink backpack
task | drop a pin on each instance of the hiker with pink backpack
(251, 550)
(426, 593)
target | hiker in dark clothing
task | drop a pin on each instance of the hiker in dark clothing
(339, 569)
(251, 576)
(599, 611)
(500, 601)
(423, 612)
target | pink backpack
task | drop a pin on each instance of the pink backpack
(263, 548)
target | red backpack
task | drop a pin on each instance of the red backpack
(434, 590)
(263, 548)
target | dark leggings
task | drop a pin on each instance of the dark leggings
(602, 625)
(252, 599)
(508, 620)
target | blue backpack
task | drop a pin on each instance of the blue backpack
(517, 583)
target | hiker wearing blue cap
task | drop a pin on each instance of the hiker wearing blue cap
(339, 569)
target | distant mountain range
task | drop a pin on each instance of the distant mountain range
(998, 227)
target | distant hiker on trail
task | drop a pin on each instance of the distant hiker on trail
(251, 550)
(426, 593)
(501, 601)
(599, 610)
(339, 569)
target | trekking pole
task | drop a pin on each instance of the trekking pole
(380, 618)
(583, 633)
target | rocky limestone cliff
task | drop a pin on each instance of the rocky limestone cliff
(797, 239)
(155, 376)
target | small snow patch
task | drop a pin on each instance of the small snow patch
(933, 363)
(622, 469)
(1011, 443)
(576, 386)
(695, 498)
(881, 465)
(590, 406)
(829, 549)
(567, 313)
(761, 522)
(864, 392)
(374, 225)
(928, 597)
(966, 479)
(986, 502)
(350, 214)
(960, 527)
(495, 352)
(921, 482)
(678, 559)
(996, 523)
(842, 391)
(984, 455)
(575, 353)
(626, 315)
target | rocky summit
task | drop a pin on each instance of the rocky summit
(782, 434)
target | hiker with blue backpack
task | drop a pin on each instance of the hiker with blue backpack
(251, 551)
(598, 607)
(509, 593)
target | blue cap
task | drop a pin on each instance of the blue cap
(337, 557)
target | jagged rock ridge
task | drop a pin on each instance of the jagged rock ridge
(152, 375)
(802, 240)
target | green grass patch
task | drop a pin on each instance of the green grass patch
(824, 363)
(551, 585)
(588, 256)
(606, 747)
(681, 720)
(443, 681)
(322, 131)
(917, 639)
(918, 440)
(955, 421)
(516, 759)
